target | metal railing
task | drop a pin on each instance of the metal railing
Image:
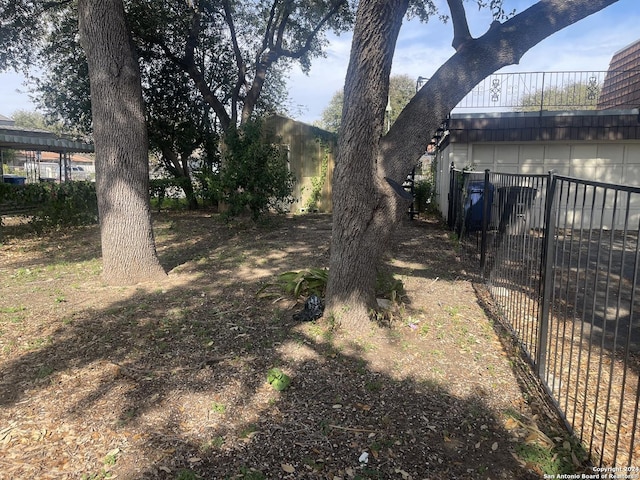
(569, 90)
(561, 258)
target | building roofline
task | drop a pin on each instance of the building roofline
(625, 48)
(19, 138)
(547, 113)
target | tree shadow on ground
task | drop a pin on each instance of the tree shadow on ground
(182, 404)
(172, 377)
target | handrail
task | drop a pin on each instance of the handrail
(560, 90)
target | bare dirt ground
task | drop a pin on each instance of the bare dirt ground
(169, 381)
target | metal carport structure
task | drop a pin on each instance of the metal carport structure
(26, 139)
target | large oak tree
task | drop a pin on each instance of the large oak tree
(366, 208)
(232, 52)
(120, 138)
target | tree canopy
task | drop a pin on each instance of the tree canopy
(235, 54)
(573, 96)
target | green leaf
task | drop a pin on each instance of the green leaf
(278, 379)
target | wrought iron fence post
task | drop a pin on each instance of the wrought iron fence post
(547, 276)
(450, 209)
(485, 222)
(542, 94)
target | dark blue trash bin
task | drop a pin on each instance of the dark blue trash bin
(14, 179)
(474, 206)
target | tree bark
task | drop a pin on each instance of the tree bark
(362, 202)
(120, 138)
(365, 209)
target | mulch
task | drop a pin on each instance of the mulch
(169, 381)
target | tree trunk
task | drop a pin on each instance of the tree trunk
(363, 204)
(179, 168)
(120, 138)
(190, 194)
(365, 209)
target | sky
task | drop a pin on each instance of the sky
(422, 48)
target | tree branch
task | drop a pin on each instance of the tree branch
(241, 80)
(286, 13)
(503, 44)
(461, 33)
(268, 35)
(265, 61)
(295, 54)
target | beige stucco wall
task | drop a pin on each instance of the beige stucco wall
(611, 162)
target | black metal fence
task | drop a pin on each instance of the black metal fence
(561, 258)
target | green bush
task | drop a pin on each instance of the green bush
(162, 189)
(304, 282)
(314, 281)
(207, 186)
(255, 175)
(424, 193)
(53, 204)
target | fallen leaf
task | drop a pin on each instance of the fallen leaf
(405, 475)
(511, 424)
(287, 467)
(113, 453)
(494, 447)
(533, 437)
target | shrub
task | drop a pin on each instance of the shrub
(208, 187)
(304, 282)
(314, 281)
(424, 192)
(52, 204)
(255, 174)
(162, 189)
